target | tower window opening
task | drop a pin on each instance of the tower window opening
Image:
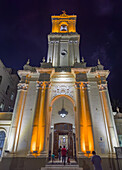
(63, 28)
(7, 90)
(2, 105)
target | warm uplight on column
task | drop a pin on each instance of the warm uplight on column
(85, 123)
(37, 141)
(17, 117)
(110, 123)
(41, 125)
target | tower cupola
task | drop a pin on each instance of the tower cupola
(63, 41)
(64, 23)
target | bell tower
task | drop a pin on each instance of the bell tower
(63, 41)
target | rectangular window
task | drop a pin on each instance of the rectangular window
(12, 96)
(7, 90)
(0, 79)
(2, 106)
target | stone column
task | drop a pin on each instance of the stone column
(23, 144)
(33, 146)
(47, 123)
(55, 54)
(39, 138)
(17, 117)
(41, 121)
(52, 131)
(101, 144)
(90, 146)
(70, 53)
(48, 116)
(76, 50)
(77, 121)
(50, 51)
(109, 117)
(86, 134)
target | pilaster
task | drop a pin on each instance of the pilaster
(50, 51)
(27, 120)
(12, 141)
(76, 50)
(40, 128)
(101, 145)
(109, 117)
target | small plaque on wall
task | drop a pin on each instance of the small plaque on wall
(102, 147)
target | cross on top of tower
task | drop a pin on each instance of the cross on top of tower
(64, 13)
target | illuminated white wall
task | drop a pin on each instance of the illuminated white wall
(57, 106)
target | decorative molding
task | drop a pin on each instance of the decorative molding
(83, 85)
(102, 87)
(62, 90)
(42, 84)
(22, 86)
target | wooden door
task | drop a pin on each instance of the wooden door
(63, 129)
(70, 144)
(55, 146)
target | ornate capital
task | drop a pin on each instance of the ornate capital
(43, 84)
(62, 90)
(22, 86)
(102, 87)
(83, 85)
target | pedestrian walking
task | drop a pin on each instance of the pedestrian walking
(96, 160)
(68, 160)
(53, 157)
(59, 153)
(64, 151)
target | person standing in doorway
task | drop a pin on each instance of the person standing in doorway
(96, 160)
(59, 153)
(64, 151)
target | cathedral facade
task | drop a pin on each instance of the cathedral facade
(62, 102)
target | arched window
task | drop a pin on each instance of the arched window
(8, 87)
(2, 140)
(0, 79)
(63, 27)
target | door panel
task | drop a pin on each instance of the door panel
(55, 146)
(63, 129)
(70, 144)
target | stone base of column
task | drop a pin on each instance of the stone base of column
(30, 155)
(111, 155)
(43, 154)
(9, 154)
(17, 163)
(81, 155)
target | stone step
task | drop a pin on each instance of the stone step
(58, 164)
(77, 166)
(62, 168)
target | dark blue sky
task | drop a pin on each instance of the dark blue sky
(25, 24)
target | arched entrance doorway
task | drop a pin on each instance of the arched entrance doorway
(62, 129)
(63, 136)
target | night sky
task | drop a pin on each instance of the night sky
(25, 24)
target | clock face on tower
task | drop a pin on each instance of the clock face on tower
(63, 53)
